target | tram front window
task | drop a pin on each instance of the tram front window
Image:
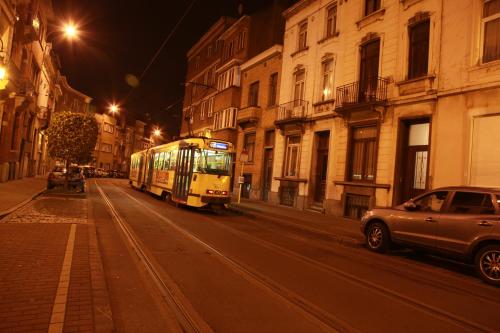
(212, 162)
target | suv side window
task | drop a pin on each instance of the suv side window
(432, 202)
(472, 203)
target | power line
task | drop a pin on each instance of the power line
(166, 40)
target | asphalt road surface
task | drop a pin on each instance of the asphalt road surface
(177, 269)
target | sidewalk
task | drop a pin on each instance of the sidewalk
(51, 275)
(340, 229)
(16, 193)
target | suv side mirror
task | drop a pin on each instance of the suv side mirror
(410, 206)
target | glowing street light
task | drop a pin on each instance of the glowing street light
(70, 30)
(113, 108)
(157, 132)
(3, 72)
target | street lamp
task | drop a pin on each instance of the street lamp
(113, 108)
(157, 132)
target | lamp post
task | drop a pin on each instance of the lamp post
(241, 178)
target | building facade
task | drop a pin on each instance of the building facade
(260, 81)
(213, 83)
(28, 91)
(382, 100)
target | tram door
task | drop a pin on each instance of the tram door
(141, 169)
(183, 174)
(149, 179)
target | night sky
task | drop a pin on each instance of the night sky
(120, 37)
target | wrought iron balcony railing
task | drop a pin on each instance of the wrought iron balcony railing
(296, 109)
(359, 93)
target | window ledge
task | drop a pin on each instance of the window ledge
(417, 85)
(408, 3)
(328, 101)
(291, 179)
(491, 65)
(361, 184)
(299, 51)
(327, 38)
(373, 17)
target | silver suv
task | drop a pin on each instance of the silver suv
(458, 222)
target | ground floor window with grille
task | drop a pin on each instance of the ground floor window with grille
(363, 153)
(356, 205)
(288, 192)
(292, 156)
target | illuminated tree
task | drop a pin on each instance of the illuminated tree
(72, 137)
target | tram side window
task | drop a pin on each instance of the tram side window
(157, 157)
(173, 159)
(166, 161)
(160, 161)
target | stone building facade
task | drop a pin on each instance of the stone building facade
(28, 92)
(415, 103)
(260, 81)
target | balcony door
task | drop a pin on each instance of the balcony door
(320, 172)
(368, 75)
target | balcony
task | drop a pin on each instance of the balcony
(292, 113)
(248, 116)
(354, 95)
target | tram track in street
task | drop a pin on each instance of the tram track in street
(390, 264)
(188, 319)
(321, 318)
(417, 304)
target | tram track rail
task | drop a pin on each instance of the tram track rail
(187, 318)
(324, 320)
(389, 265)
(415, 303)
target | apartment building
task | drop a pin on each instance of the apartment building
(213, 87)
(28, 90)
(260, 81)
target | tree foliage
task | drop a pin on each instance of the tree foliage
(72, 137)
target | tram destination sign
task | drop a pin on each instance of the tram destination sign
(219, 145)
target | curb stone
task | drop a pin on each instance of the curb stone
(19, 205)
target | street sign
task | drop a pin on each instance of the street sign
(241, 180)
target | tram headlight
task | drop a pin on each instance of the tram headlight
(224, 192)
(210, 191)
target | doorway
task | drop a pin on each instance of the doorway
(321, 166)
(268, 173)
(414, 158)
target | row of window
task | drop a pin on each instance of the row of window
(419, 35)
(229, 78)
(234, 46)
(225, 119)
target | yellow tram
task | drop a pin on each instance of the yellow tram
(194, 172)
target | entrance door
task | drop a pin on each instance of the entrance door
(268, 173)
(183, 173)
(368, 75)
(414, 159)
(322, 139)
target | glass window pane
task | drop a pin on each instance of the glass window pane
(420, 177)
(419, 135)
(491, 7)
(431, 202)
(491, 49)
(471, 203)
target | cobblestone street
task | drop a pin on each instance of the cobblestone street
(51, 276)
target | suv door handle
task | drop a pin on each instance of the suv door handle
(485, 224)
(430, 219)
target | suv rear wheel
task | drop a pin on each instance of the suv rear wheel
(378, 238)
(487, 264)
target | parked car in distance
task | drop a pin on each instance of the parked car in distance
(458, 222)
(88, 171)
(74, 175)
(116, 174)
(102, 173)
